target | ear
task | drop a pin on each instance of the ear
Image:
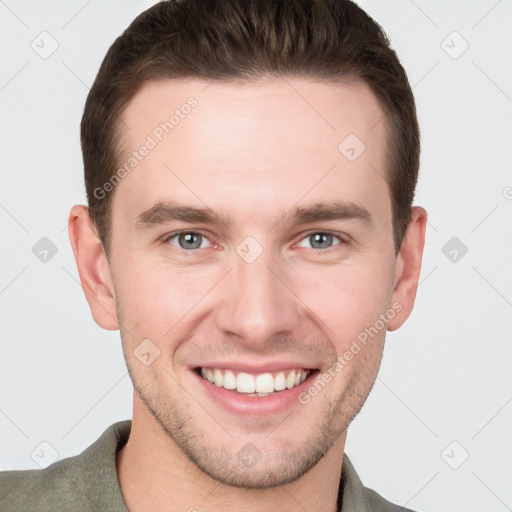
(408, 267)
(93, 267)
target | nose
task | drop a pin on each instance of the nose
(258, 303)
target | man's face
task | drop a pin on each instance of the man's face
(260, 289)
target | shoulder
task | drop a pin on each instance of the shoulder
(376, 503)
(74, 483)
(357, 497)
(53, 488)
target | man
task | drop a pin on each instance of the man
(250, 168)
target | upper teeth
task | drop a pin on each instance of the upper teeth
(261, 383)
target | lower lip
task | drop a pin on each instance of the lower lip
(264, 405)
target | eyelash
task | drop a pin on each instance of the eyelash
(342, 240)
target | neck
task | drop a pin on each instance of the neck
(154, 474)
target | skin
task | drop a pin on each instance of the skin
(251, 153)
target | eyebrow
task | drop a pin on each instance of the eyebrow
(333, 210)
(163, 212)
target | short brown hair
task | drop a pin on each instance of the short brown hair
(229, 40)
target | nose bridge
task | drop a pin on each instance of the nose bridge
(256, 305)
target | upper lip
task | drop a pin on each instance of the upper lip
(270, 366)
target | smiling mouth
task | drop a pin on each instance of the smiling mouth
(255, 385)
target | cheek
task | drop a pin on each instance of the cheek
(348, 298)
(154, 298)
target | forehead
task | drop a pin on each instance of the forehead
(273, 139)
(327, 107)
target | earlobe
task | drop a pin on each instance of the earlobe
(408, 267)
(93, 267)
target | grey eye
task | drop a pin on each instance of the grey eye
(188, 240)
(320, 240)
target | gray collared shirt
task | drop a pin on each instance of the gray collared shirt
(88, 482)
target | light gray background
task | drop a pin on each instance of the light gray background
(445, 375)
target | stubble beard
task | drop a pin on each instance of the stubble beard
(285, 462)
